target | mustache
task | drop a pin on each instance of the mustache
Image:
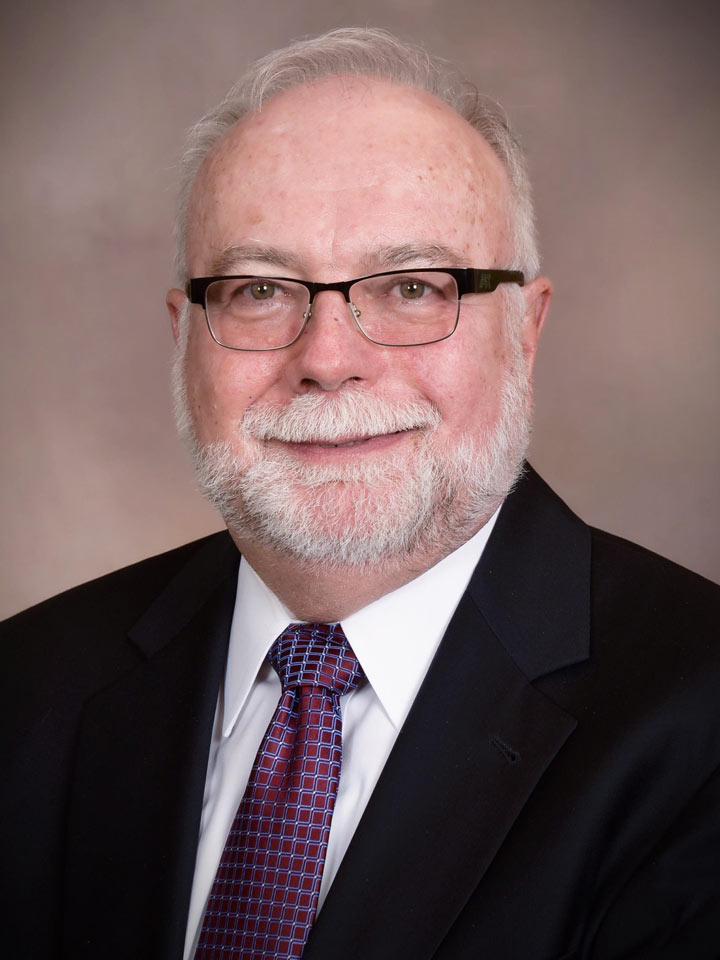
(318, 418)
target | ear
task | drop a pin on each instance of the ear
(175, 301)
(537, 294)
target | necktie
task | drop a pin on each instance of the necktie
(263, 901)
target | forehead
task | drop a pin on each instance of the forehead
(335, 163)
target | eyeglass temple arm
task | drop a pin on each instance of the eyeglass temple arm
(485, 281)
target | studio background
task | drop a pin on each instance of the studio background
(617, 107)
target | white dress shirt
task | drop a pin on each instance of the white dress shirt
(394, 638)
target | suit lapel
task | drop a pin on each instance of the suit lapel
(475, 743)
(140, 772)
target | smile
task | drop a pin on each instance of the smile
(355, 441)
(370, 442)
(352, 443)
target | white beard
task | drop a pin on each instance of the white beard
(427, 497)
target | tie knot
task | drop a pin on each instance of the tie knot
(318, 655)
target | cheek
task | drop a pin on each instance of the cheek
(222, 384)
(463, 376)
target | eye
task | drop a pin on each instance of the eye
(412, 289)
(262, 290)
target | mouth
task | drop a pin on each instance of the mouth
(346, 425)
(355, 441)
(367, 442)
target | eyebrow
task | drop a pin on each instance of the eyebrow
(229, 258)
(431, 254)
(386, 257)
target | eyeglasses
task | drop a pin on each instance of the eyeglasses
(400, 308)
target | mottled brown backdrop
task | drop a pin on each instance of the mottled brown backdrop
(617, 104)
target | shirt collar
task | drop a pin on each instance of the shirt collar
(394, 638)
(258, 619)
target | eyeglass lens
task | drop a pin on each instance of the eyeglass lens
(262, 313)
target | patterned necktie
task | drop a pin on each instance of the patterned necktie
(264, 897)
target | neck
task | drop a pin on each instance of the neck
(326, 593)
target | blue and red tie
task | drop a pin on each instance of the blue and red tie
(264, 898)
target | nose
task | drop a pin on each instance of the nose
(354, 312)
(331, 351)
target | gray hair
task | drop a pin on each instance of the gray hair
(376, 53)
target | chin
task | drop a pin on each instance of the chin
(353, 516)
(384, 511)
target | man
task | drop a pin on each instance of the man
(528, 709)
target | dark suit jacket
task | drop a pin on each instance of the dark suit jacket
(554, 792)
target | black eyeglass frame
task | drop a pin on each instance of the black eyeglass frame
(467, 280)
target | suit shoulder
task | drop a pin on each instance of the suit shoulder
(622, 562)
(635, 592)
(116, 599)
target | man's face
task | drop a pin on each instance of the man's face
(328, 182)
